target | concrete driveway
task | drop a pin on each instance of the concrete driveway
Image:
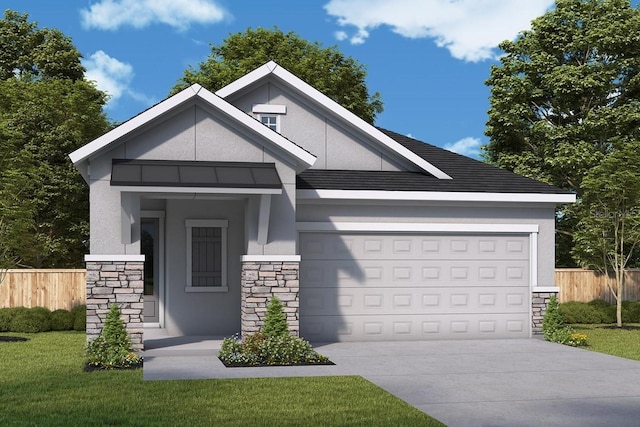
(527, 382)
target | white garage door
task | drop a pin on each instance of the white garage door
(367, 287)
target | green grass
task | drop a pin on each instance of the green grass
(42, 383)
(609, 339)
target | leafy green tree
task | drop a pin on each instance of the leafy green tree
(339, 77)
(562, 92)
(47, 110)
(608, 234)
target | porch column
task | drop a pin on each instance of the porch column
(115, 279)
(539, 302)
(265, 276)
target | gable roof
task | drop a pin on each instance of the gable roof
(471, 180)
(195, 92)
(273, 69)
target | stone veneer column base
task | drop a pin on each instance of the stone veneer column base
(115, 279)
(265, 276)
(539, 303)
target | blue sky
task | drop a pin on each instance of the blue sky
(427, 58)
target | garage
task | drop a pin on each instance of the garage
(405, 286)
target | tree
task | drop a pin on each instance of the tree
(562, 92)
(608, 234)
(47, 110)
(328, 70)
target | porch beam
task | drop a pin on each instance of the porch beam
(263, 218)
(126, 217)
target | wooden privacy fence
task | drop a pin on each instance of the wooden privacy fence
(52, 289)
(66, 288)
(585, 285)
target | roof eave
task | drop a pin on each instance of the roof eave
(438, 196)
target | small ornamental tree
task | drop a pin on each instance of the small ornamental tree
(112, 349)
(275, 323)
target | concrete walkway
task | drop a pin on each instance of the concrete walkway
(461, 383)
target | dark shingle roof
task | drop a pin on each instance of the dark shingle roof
(468, 175)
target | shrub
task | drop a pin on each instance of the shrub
(275, 322)
(112, 349)
(61, 320)
(7, 315)
(580, 312)
(260, 349)
(31, 320)
(79, 313)
(555, 330)
(631, 312)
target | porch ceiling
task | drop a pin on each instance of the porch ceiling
(190, 174)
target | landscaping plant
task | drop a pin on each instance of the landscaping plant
(555, 330)
(272, 346)
(112, 349)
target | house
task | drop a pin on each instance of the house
(207, 204)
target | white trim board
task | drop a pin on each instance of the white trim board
(114, 258)
(401, 227)
(270, 258)
(433, 196)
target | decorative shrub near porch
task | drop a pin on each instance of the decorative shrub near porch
(272, 346)
(112, 348)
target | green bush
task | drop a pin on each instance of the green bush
(631, 312)
(32, 320)
(7, 315)
(275, 322)
(61, 320)
(79, 313)
(580, 312)
(555, 330)
(260, 349)
(112, 349)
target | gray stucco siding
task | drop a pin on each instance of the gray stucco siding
(202, 313)
(320, 133)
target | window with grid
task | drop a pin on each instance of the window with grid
(270, 121)
(206, 255)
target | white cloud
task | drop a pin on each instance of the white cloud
(180, 14)
(112, 77)
(469, 29)
(469, 147)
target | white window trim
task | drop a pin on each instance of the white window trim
(218, 223)
(276, 116)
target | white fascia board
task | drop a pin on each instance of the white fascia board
(114, 258)
(270, 258)
(439, 196)
(409, 227)
(357, 122)
(195, 190)
(283, 143)
(246, 80)
(136, 122)
(311, 92)
(550, 289)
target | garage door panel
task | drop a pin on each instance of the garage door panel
(334, 246)
(381, 286)
(385, 301)
(413, 327)
(424, 273)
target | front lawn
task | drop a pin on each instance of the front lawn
(622, 342)
(42, 383)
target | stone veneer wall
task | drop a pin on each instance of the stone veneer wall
(118, 282)
(260, 281)
(539, 303)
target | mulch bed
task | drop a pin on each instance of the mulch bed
(232, 365)
(8, 338)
